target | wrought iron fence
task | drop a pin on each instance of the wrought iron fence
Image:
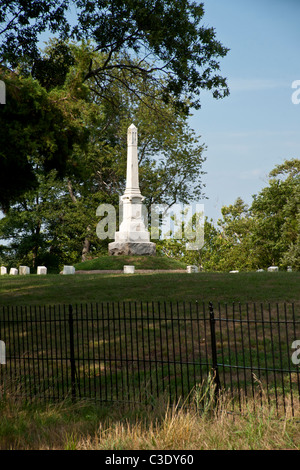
(135, 352)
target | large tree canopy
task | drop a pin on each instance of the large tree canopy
(166, 33)
(160, 45)
(55, 222)
(35, 129)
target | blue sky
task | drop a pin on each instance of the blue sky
(257, 126)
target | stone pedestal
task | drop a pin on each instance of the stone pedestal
(132, 248)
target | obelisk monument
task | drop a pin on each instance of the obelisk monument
(133, 237)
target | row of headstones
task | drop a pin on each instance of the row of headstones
(194, 269)
(24, 270)
(271, 269)
(130, 269)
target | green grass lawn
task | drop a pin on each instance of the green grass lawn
(203, 287)
(178, 347)
(140, 262)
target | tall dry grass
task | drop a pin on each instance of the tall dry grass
(206, 423)
(209, 424)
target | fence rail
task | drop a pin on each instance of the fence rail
(136, 352)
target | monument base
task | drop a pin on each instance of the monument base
(132, 248)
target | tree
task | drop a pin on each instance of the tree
(277, 213)
(95, 171)
(161, 44)
(247, 238)
(35, 127)
(166, 37)
(22, 23)
(24, 226)
(207, 257)
(226, 246)
(236, 228)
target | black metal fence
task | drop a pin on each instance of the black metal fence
(135, 352)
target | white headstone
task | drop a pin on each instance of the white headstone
(289, 269)
(41, 270)
(233, 272)
(3, 270)
(24, 270)
(69, 270)
(192, 269)
(260, 270)
(128, 269)
(272, 269)
(2, 353)
(13, 271)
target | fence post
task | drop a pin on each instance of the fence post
(72, 354)
(214, 349)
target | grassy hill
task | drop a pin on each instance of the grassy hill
(203, 287)
(140, 262)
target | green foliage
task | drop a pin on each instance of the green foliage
(22, 23)
(225, 247)
(236, 227)
(170, 33)
(276, 211)
(68, 109)
(31, 136)
(52, 68)
(55, 222)
(267, 233)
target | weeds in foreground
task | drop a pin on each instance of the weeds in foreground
(206, 423)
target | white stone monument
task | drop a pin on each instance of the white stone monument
(68, 270)
(41, 270)
(272, 269)
(191, 269)
(133, 237)
(127, 269)
(3, 270)
(23, 270)
(13, 271)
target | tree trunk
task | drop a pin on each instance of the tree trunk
(36, 245)
(86, 247)
(71, 192)
(86, 244)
